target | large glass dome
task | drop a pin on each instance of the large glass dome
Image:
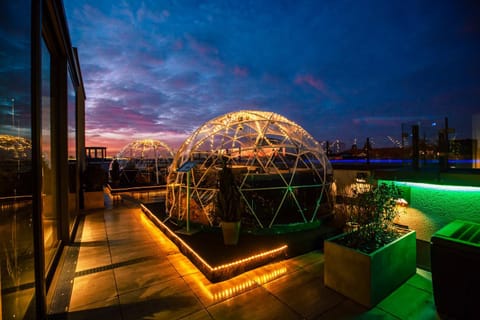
(282, 174)
(144, 162)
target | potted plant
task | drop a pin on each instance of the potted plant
(375, 256)
(228, 205)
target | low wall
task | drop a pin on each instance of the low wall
(433, 206)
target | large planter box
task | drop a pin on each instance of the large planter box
(369, 278)
(94, 200)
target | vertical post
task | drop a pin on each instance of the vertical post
(188, 201)
(446, 146)
(156, 163)
(415, 147)
(13, 114)
(367, 151)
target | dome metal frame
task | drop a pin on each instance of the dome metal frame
(279, 167)
(146, 155)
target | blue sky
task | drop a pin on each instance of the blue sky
(341, 69)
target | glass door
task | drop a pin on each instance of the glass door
(49, 172)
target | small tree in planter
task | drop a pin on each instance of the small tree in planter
(371, 214)
(372, 259)
(228, 205)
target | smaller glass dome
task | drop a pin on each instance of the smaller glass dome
(142, 162)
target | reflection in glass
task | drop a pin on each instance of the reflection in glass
(72, 153)
(16, 233)
(49, 214)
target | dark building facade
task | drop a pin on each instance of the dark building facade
(42, 103)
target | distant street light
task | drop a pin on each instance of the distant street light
(13, 113)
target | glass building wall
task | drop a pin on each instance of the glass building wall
(49, 168)
(41, 128)
(73, 180)
(16, 232)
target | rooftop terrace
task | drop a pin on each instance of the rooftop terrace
(121, 266)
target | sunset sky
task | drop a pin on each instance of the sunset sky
(341, 69)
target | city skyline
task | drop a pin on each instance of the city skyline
(342, 70)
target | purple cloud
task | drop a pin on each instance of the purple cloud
(340, 70)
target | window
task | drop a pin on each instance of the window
(49, 185)
(72, 153)
(16, 231)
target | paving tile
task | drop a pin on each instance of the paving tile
(129, 235)
(166, 246)
(158, 236)
(143, 273)
(93, 231)
(255, 304)
(347, 309)
(134, 251)
(126, 224)
(316, 268)
(166, 300)
(91, 234)
(199, 315)
(377, 313)
(109, 310)
(90, 257)
(305, 293)
(306, 259)
(93, 291)
(182, 264)
(409, 302)
(422, 280)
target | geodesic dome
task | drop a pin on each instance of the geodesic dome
(282, 174)
(144, 161)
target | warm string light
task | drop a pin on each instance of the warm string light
(270, 276)
(165, 228)
(197, 256)
(244, 286)
(251, 258)
(227, 293)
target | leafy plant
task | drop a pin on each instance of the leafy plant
(372, 211)
(228, 196)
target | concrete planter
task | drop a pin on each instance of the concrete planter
(94, 200)
(369, 278)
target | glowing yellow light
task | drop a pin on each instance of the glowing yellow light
(204, 263)
(244, 286)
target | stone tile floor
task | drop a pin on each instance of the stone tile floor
(122, 267)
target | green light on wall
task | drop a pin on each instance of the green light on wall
(442, 203)
(433, 186)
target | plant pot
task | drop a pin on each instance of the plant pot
(369, 278)
(231, 232)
